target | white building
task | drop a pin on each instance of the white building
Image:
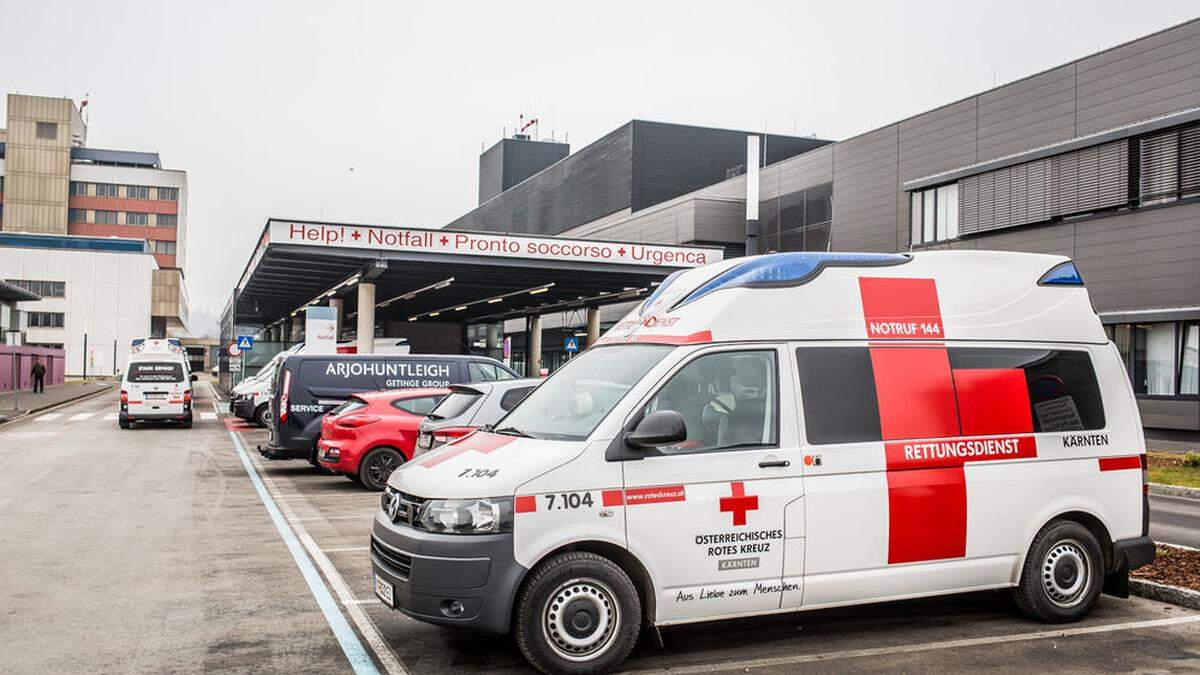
(98, 288)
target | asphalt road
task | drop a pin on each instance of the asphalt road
(1175, 520)
(151, 550)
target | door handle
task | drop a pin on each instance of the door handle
(773, 463)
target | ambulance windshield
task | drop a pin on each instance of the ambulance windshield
(571, 403)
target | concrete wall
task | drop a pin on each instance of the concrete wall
(107, 296)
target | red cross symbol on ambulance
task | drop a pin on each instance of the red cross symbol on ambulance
(738, 503)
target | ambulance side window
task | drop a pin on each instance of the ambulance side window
(728, 400)
(838, 389)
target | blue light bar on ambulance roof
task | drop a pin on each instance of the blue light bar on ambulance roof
(789, 269)
(658, 291)
(1063, 274)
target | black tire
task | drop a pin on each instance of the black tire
(378, 464)
(606, 615)
(1063, 574)
(262, 415)
(187, 422)
(124, 424)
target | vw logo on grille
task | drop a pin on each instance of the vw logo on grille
(393, 505)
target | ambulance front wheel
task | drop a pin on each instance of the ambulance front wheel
(578, 613)
(1063, 574)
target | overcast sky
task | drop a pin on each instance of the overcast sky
(268, 105)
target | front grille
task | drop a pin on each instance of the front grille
(399, 564)
(407, 511)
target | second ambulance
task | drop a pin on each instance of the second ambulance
(788, 432)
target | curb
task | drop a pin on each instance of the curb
(1163, 490)
(1184, 597)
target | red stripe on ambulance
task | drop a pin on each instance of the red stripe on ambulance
(611, 498)
(525, 503)
(655, 495)
(1120, 463)
(921, 397)
(900, 308)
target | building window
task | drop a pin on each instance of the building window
(137, 191)
(78, 189)
(1161, 359)
(1169, 165)
(797, 221)
(1154, 359)
(166, 247)
(933, 214)
(47, 131)
(46, 289)
(167, 220)
(106, 217)
(77, 215)
(135, 218)
(45, 319)
(168, 194)
(106, 190)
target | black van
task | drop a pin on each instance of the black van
(305, 387)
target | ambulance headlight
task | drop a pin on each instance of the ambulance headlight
(486, 515)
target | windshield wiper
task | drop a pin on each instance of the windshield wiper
(512, 431)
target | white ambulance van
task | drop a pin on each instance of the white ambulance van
(788, 432)
(156, 386)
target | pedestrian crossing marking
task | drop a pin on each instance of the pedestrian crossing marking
(49, 417)
(208, 416)
(80, 416)
(111, 416)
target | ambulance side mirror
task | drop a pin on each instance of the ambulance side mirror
(662, 427)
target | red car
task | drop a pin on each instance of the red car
(373, 433)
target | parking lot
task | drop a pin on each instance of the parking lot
(162, 549)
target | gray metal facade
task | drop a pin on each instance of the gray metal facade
(512, 160)
(1089, 203)
(629, 169)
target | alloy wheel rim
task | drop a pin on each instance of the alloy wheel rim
(580, 619)
(381, 467)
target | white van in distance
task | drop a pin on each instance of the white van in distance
(781, 433)
(156, 386)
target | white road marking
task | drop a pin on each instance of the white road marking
(363, 601)
(111, 416)
(208, 415)
(310, 519)
(27, 435)
(79, 416)
(383, 652)
(749, 664)
(48, 417)
(346, 549)
(359, 659)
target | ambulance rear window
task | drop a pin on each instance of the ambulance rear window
(148, 371)
(984, 391)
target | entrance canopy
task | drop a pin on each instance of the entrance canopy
(443, 275)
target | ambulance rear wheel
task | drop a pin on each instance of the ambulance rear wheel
(578, 613)
(1063, 574)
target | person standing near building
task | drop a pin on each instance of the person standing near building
(39, 376)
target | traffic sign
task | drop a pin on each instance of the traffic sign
(232, 349)
(245, 342)
(571, 344)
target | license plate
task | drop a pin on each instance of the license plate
(384, 590)
(155, 396)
